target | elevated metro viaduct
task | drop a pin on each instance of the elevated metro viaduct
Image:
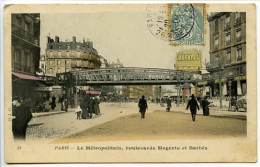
(122, 76)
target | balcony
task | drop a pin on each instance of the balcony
(19, 32)
(23, 68)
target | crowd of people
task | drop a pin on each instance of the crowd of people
(87, 107)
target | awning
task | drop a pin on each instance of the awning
(93, 92)
(202, 83)
(25, 76)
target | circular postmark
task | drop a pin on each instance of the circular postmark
(158, 20)
(170, 22)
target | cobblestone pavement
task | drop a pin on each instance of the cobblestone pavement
(51, 127)
(55, 126)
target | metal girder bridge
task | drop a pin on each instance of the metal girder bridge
(124, 76)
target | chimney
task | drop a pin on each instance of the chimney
(84, 40)
(90, 44)
(56, 39)
(74, 39)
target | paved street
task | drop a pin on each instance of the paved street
(56, 126)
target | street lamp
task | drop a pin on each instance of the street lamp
(229, 85)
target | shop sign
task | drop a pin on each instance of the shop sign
(43, 89)
(220, 81)
(240, 78)
(203, 83)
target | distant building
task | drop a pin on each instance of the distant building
(189, 60)
(116, 64)
(134, 91)
(70, 56)
(227, 53)
(42, 66)
(25, 52)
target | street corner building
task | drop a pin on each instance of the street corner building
(227, 67)
(70, 56)
(25, 44)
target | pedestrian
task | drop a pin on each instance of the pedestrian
(96, 106)
(205, 106)
(22, 116)
(53, 102)
(142, 106)
(65, 105)
(91, 107)
(61, 99)
(169, 104)
(193, 104)
(84, 105)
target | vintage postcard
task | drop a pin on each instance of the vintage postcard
(109, 83)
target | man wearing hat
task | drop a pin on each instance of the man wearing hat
(21, 117)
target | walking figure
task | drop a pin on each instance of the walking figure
(169, 104)
(193, 104)
(205, 106)
(53, 102)
(142, 106)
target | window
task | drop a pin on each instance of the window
(238, 17)
(50, 62)
(216, 57)
(67, 69)
(59, 46)
(78, 46)
(227, 21)
(17, 56)
(67, 62)
(78, 54)
(228, 56)
(59, 53)
(68, 46)
(19, 20)
(238, 34)
(58, 70)
(51, 53)
(50, 70)
(216, 42)
(42, 65)
(216, 25)
(58, 62)
(51, 47)
(228, 39)
(42, 58)
(68, 53)
(27, 26)
(239, 53)
(78, 62)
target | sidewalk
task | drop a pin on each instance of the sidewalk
(214, 111)
(57, 110)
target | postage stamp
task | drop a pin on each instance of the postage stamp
(180, 24)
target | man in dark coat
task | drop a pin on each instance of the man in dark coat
(193, 104)
(84, 105)
(22, 116)
(142, 106)
(205, 106)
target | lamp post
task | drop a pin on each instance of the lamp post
(229, 85)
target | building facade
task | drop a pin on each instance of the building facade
(70, 56)
(227, 65)
(25, 52)
(136, 91)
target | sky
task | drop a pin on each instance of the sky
(120, 33)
